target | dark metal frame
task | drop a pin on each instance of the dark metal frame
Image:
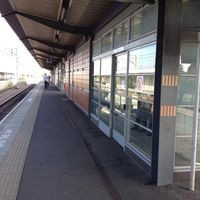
(157, 90)
(48, 52)
(54, 24)
(50, 44)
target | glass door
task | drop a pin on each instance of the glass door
(119, 104)
(140, 98)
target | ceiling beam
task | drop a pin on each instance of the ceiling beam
(54, 24)
(48, 52)
(53, 62)
(50, 44)
(46, 58)
(54, 57)
(136, 1)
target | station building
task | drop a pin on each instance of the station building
(130, 66)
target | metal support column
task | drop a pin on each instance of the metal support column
(165, 93)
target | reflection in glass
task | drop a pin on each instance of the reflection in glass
(120, 103)
(188, 60)
(118, 123)
(106, 66)
(104, 115)
(106, 42)
(144, 22)
(185, 105)
(96, 47)
(95, 95)
(140, 138)
(96, 81)
(121, 64)
(191, 14)
(120, 85)
(142, 60)
(120, 34)
(106, 83)
(96, 67)
(184, 120)
(141, 113)
(184, 151)
(105, 92)
(105, 99)
(140, 98)
(95, 109)
(186, 90)
(141, 85)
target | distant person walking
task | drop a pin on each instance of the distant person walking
(46, 81)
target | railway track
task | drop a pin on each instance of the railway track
(9, 100)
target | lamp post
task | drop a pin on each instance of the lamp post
(14, 52)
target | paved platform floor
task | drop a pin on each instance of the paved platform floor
(70, 159)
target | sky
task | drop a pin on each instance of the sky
(9, 40)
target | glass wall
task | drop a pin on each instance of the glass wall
(189, 63)
(97, 47)
(106, 42)
(140, 97)
(122, 96)
(144, 22)
(121, 34)
(185, 105)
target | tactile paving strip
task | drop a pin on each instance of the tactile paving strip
(12, 164)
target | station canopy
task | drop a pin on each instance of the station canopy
(52, 29)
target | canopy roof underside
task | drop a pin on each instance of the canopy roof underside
(52, 29)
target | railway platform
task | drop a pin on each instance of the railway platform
(50, 150)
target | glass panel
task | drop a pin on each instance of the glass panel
(96, 47)
(95, 109)
(140, 138)
(188, 60)
(183, 151)
(96, 81)
(186, 90)
(185, 105)
(95, 95)
(96, 67)
(121, 64)
(106, 42)
(106, 83)
(191, 14)
(120, 83)
(104, 115)
(184, 121)
(120, 34)
(106, 66)
(142, 60)
(105, 99)
(96, 74)
(140, 98)
(141, 87)
(118, 123)
(144, 22)
(105, 93)
(141, 113)
(120, 103)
